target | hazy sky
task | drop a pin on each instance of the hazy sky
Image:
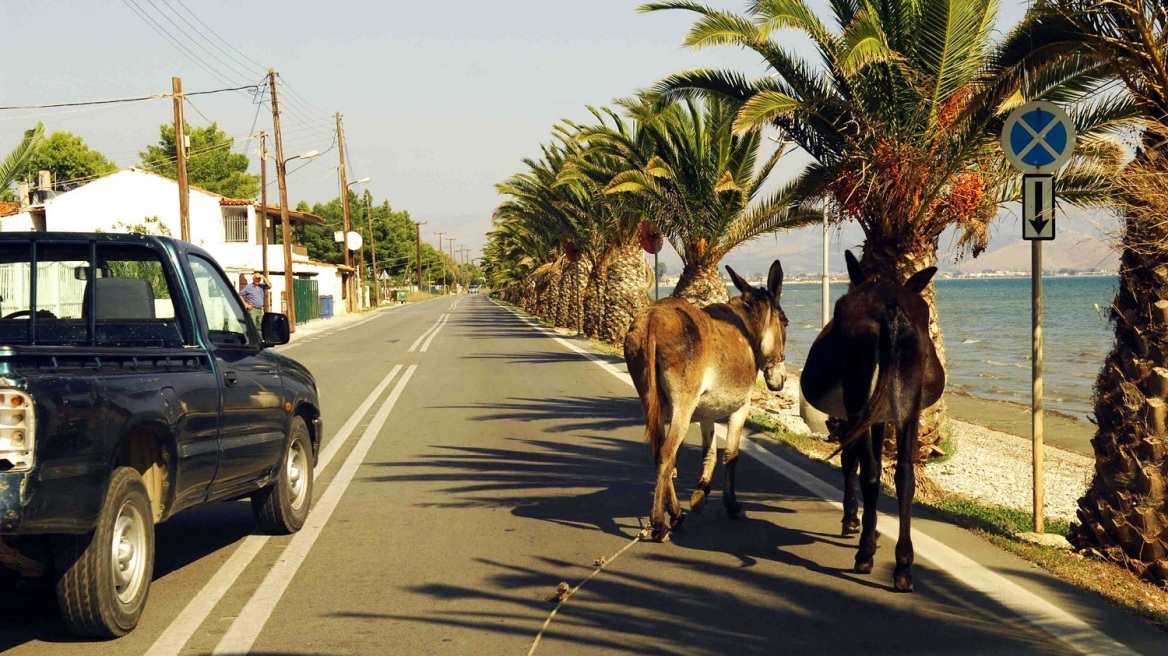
(441, 100)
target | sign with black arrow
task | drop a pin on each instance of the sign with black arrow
(1038, 207)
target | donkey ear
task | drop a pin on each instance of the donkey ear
(741, 284)
(854, 270)
(920, 279)
(775, 280)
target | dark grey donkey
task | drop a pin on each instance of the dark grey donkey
(871, 366)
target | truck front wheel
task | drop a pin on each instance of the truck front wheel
(103, 577)
(282, 507)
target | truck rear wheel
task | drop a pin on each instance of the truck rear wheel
(282, 507)
(103, 578)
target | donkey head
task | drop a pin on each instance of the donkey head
(916, 283)
(767, 323)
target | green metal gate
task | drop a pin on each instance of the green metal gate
(306, 297)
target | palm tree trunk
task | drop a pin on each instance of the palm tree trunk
(701, 285)
(624, 291)
(595, 301)
(1124, 515)
(898, 262)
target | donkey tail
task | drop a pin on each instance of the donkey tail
(654, 422)
(888, 354)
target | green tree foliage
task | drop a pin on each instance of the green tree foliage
(210, 163)
(394, 236)
(68, 158)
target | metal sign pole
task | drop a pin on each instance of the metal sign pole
(1038, 138)
(1036, 426)
(656, 280)
(826, 280)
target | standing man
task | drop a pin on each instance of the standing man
(253, 297)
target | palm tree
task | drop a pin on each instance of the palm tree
(17, 160)
(1124, 517)
(701, 181)
(549, 213)
(902, 113)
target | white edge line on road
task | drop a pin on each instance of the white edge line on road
(414, 346)
(251, 620)
(1030, 607)
(326, 332)
(175, 637)
(442, 322)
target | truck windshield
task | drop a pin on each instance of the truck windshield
(100, 294)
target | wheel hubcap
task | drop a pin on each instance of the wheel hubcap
(297, 475)
(129, 553)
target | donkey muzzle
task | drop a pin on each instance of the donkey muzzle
(775, 376)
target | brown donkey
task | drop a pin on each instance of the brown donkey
(872, 365)
(700, 365)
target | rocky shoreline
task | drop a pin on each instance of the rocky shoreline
(988, 466)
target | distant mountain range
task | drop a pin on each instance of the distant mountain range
(801, 252)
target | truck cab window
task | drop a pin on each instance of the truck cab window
(227, 325)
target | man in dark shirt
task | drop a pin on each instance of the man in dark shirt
(253, 297)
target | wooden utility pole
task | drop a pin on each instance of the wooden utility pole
(349, 305)
(418, 229)
(440, 259)
(289, 297)
(372, 247)
(263, 219)
(180, 151)
(452, 260)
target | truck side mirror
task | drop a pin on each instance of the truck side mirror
(274, 329)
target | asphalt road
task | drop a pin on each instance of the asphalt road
(475, 462)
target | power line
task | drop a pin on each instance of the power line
(141, 13)
(111, 101)
(232, 69)
(260, 66)
(245, 66)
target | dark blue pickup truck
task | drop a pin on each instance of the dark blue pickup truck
(133, 386)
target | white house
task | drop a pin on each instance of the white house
(226, 227)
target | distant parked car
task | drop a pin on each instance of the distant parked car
(474, 289)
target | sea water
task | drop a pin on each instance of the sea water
(986, 323)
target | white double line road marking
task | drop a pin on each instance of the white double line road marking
(250, 621)
(442, 322)
(175, 637)
(1059, 623)
(431, 329)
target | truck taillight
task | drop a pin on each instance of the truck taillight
(16, 431)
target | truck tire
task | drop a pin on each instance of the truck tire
(103, 577)
(282, 507)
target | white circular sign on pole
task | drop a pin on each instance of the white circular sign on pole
(354, 241)
(1038, 137)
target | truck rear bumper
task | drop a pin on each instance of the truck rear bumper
(31, 505)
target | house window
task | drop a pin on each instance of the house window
(234, 224)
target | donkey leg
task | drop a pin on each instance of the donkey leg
(665, 497)
(730, 462)
(870, 489)
(851, 461)
(906, 447)
(709, 456)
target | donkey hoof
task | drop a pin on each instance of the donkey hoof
(735, 511)
(675, 521)
(851, 526)
(660, 534)
(864, 566)
(902, 580)
(697, 502)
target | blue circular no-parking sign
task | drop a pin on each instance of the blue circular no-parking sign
(1038, 137)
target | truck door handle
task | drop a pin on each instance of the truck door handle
(229, 379)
